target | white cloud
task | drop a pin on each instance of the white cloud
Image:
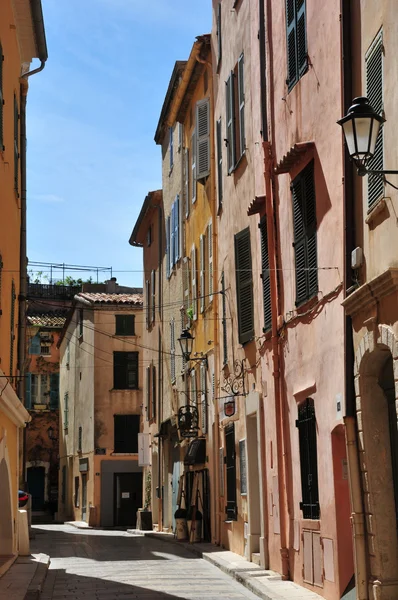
(48, 198)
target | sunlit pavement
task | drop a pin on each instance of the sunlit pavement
(105, 565)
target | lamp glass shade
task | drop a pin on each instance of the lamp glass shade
(186, 343)
(361, 127)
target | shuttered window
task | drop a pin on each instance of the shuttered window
(148, 302)
(219, 162)
(193, 167)
(171, 147)
(16, 146)
(265, 275)
(210, 260)
(1, 100)
(305, 242)
(194, 285)
(125, 325)
(374, 92)
(306, 424)
(241, 103)
(172, 351)
(126, 430)
(186, 276)
(203, 396)
(12, 328)
(66, 410)
(168, 258)
(224, 320)
(176, 205)
(80, 439)
(147, 392)
(219, 38)
(244, 286)
(54, 391)
(186, 182)
(202, 279)
(230, 123)
(125, 370)
(203, 138)
(153, 296)
(153, 398)
(194, 400)
(230, 462)
(296, 39)
(34, 346)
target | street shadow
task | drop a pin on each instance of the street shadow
(61, 584)
(99, 545)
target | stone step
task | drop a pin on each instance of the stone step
(256, 558)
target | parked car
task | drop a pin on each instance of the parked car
(23, 498)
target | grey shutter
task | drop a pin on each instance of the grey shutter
(194, 284)
(153, 404)
(148, 303)
(148, 393)
(374, 92)
(153, 295)
(203, 396)
(210, 259)
(177, 228)
(291, 43)
(66, 410)
(186, 285)
(219, 162)
(54, 391)
(193, 388)
(301, 34)
(244, 286)
(310, 223)
(230, 118)
(172, 238)
(28, 395)
(171, 148)
(219, 38)
(265, 274)
(193, 166)
(224, 320)
(241, 102)
(186, 182)
(172, 352)
(203, 138)
(168, 249)
(202, 281)
(16, 145)
(1, 99)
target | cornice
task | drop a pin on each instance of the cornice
(369, 294)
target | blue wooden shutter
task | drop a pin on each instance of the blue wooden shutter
(168, 248)
(374, 92)
(34, 347)
(54, 391)
(265, 274)
(244, 286)
(28, 395)
(172, 235)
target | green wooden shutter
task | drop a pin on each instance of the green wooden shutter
(265, 274)
(374, 92)
(291, 43)
(219, 162)
(302, 61)
(28, 395)
(54, 391)
(244, 286)
(230, 118)
(34, 346)
(310, 224)
(1, 99)
(241, 102)
(203, 138)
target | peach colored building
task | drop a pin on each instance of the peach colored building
(22, 38)
(101, 399)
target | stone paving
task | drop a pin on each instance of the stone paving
(112, 565)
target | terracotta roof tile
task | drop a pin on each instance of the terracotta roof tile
(95, 298)
(47, 320)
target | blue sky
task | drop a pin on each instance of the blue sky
(92, 115)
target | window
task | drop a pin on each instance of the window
(66, 410)
(193, 167)
(125, 370)
(235, 115)
(244, 286)
(186, 182)
(203, 139)
(168, 253)
(306, 424)
(45, 347)
(125, 325)
(126, 430)
(304, 223)
(40, 389)
(77, 492)
(172, 351)
(153, 399)
(202, 278)
(80, 440)
(171, 148)
(173, 236)
(230, 461)
(203, 396)
(186, 276)
(194, 399)
(12, 327)
(180, 136)
(34, 346)
(148, 302)
(210, 260)
(374, 92)
(219, 162)
(224, 320)
(219, 38)
(265, 274)
(296, 36)
(150, 392)
(16, 146)
(1, 100)
(54, 391)
(81, 322)
(194, 285)
(153, 297)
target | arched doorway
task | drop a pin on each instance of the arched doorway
(378, 458)
(6, 520)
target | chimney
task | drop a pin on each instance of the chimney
(111, 286)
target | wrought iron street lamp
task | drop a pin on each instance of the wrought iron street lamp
(186, 344)
(361, 126)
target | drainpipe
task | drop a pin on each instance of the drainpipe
(357, 511)
(271, 234)
(40, 38)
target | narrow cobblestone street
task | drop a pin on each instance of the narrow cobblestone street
(107, 565)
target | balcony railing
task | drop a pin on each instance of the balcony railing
(52, 291)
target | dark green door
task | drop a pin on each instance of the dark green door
(36, 483)
(128, 498)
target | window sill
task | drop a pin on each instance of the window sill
(378, 208)
(306, 304)
(124, 389)
(124, 453)
(238, 163)
(313, 524)
(124, 335)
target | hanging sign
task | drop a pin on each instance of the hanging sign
(229, 407)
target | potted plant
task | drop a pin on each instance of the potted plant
(181, 531)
